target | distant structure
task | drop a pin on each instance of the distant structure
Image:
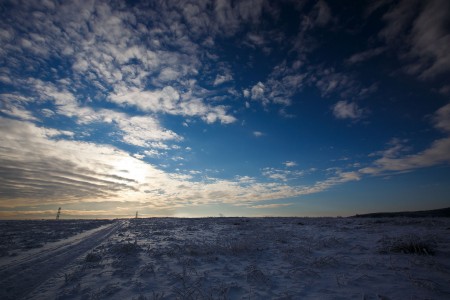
(58, 213)
(136, 215)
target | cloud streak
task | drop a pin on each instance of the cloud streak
(423, 27)
(39, 166)
(394, 161)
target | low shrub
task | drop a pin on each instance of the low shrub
(93, 257)
(408, 244)
(126, 248)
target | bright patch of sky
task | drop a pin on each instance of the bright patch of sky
(206, 108)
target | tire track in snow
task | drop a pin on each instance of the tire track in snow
(21, 277)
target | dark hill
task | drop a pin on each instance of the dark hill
(442, 213)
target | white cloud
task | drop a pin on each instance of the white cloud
(365, 55)
(136, 130)
(218, 113)
(110, 54)
(139, 130)
(323, 13)
(245, 179)
(164, 100)
(339, 178)
(115, 57)
(47, 112)
(282, 175)
(263, 206)
(18, 111)
(441, 118)
(154, 153)
(290, 163)
(282, 84)
(138, 156)
(257, 92)
(258, 133)
(423, 28)
(329, 81)
(394, 160)
(15, 105)
(40, 170)
(437, 153)
(50, 132)
(256, 39)
(168, 74)
(159, 145)
(398, 18)
(347, 110)
(220, 79)
(45, 170)
(396, 147)
(276, 176)
(229, 17)
(445, 89)
(169, 101)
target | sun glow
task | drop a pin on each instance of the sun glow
(131, 168)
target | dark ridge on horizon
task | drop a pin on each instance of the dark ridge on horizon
(441, 213)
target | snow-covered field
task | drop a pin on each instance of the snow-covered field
(227, 258)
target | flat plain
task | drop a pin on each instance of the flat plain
(226, 258)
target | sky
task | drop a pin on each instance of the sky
(223, 108)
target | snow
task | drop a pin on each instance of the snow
(238, 258)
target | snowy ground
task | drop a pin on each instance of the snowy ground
(235, 258)
(16, 235)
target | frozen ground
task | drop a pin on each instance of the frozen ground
(16, 235)
(236, 258)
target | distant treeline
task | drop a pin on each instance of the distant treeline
(442, 213)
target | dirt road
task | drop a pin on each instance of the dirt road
(20, 276)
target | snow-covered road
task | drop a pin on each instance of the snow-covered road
(20, 275)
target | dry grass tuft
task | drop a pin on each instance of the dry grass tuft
(408, 244)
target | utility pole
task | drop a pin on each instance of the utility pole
(58, 214)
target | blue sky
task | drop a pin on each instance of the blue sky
(207, 108)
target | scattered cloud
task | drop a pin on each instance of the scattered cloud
(441, 119)
(323, 13)
(290, 163)
(39, 169)
(169, 101)
(393, 159)
(282, 175)
(347, 110)
(257, 92)
(47, 112)
(329, 81)
(365, 55)
(258, 133)
(339, 178)
(17, 111)
(263, 206)
(245, 179)
(154, 153)
(93, 91)
(423, 28)
(437, 153)
(220, 79)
